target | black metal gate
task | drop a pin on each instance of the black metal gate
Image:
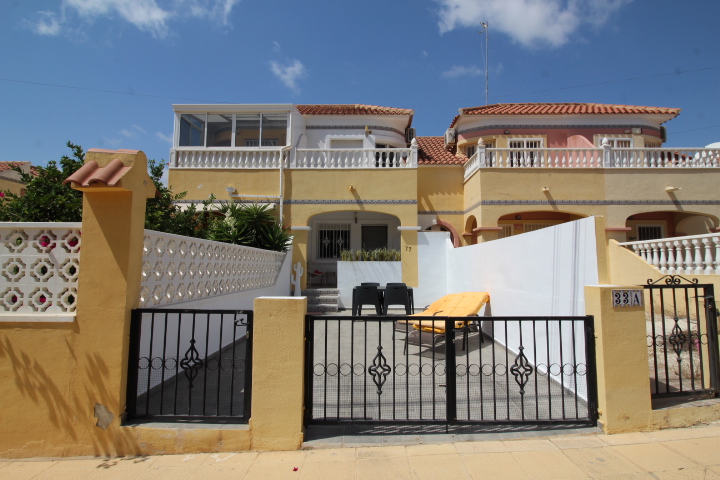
(682, 337)
(190, 364)
(501, 370)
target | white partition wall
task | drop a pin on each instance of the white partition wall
(538, 273)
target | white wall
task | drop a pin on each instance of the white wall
(352, 274)
(537, 273)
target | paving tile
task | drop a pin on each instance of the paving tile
(331, 455)
(578, 442)
(114, 474)
(242, 458)
(273, 471)
(653, 457)
(220, 471)
(179, 460)
(68, 474)
(601, 461)
(478, 447)
(433, 467)
(529, 445)
(626, 438)
(381, 452)
(502, 465)
(167, 473)
(295, 457)
(24, 470)
(683, 433)
(439, 449)
(125, 462)
(395, 468)
(705, 451)
(342, 470)
(687, 474)
(550, 464)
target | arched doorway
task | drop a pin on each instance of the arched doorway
(652, 225)
(334, 232)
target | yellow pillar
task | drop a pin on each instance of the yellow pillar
(108, 289)
(276, 421)
(624, 403)
(409, 257)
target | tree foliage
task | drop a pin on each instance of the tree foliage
(46, 199)
(250, 225)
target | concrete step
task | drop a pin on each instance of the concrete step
(317, 308)
(317, 292)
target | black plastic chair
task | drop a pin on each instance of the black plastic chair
(369, 284)
(366, 295)
(396, 295)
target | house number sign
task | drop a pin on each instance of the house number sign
(627, 298)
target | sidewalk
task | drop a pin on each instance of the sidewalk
(689, 453)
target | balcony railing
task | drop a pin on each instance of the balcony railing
(355, 158)
(605, 157)
(254, 157)
(692, 255)
(289, 157)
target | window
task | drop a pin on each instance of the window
(523, 156)
(649, 232)
(332, 239)
(374, 236)
(651, 144)
(233, 130)
(192, 130)
(615, 142)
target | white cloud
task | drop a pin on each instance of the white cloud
(532, 23)
(163, 137)
(48, 24)
(151, 16)
(276, 47)
(290, 73)
(461, 71)
(133, 131)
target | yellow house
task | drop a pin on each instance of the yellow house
(356, 176)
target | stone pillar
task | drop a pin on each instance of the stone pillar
(624, 403)
(278, 373)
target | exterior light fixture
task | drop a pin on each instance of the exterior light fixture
(517, 217)
(546, 189)
(672, 189)
(351, 187)
(507, 132)
(230, 189)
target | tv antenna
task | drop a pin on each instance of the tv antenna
(485, 31)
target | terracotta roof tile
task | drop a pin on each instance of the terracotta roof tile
(351, 110)
(564, 109)
(4, 166)
(432, 151)
(91, 174)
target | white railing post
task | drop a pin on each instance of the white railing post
(655, 258)
(687, 263)
(708, 256)
(413, 153)
(607, 153)
(697, 261)
(671, 258)
(716, 262)
(663, 258)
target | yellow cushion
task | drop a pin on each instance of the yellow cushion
(453, 305)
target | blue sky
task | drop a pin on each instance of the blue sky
(104, 73)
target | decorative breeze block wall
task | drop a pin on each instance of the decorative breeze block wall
(177, 269)
(40, 267)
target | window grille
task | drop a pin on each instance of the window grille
(332, 239)
(506, 231)
(649, 232)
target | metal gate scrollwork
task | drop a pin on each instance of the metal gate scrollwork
(379, 370)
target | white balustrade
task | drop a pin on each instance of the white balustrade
(692, 255)
(40, 268)
(177, 269)
(355, 158)
(259, 157)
